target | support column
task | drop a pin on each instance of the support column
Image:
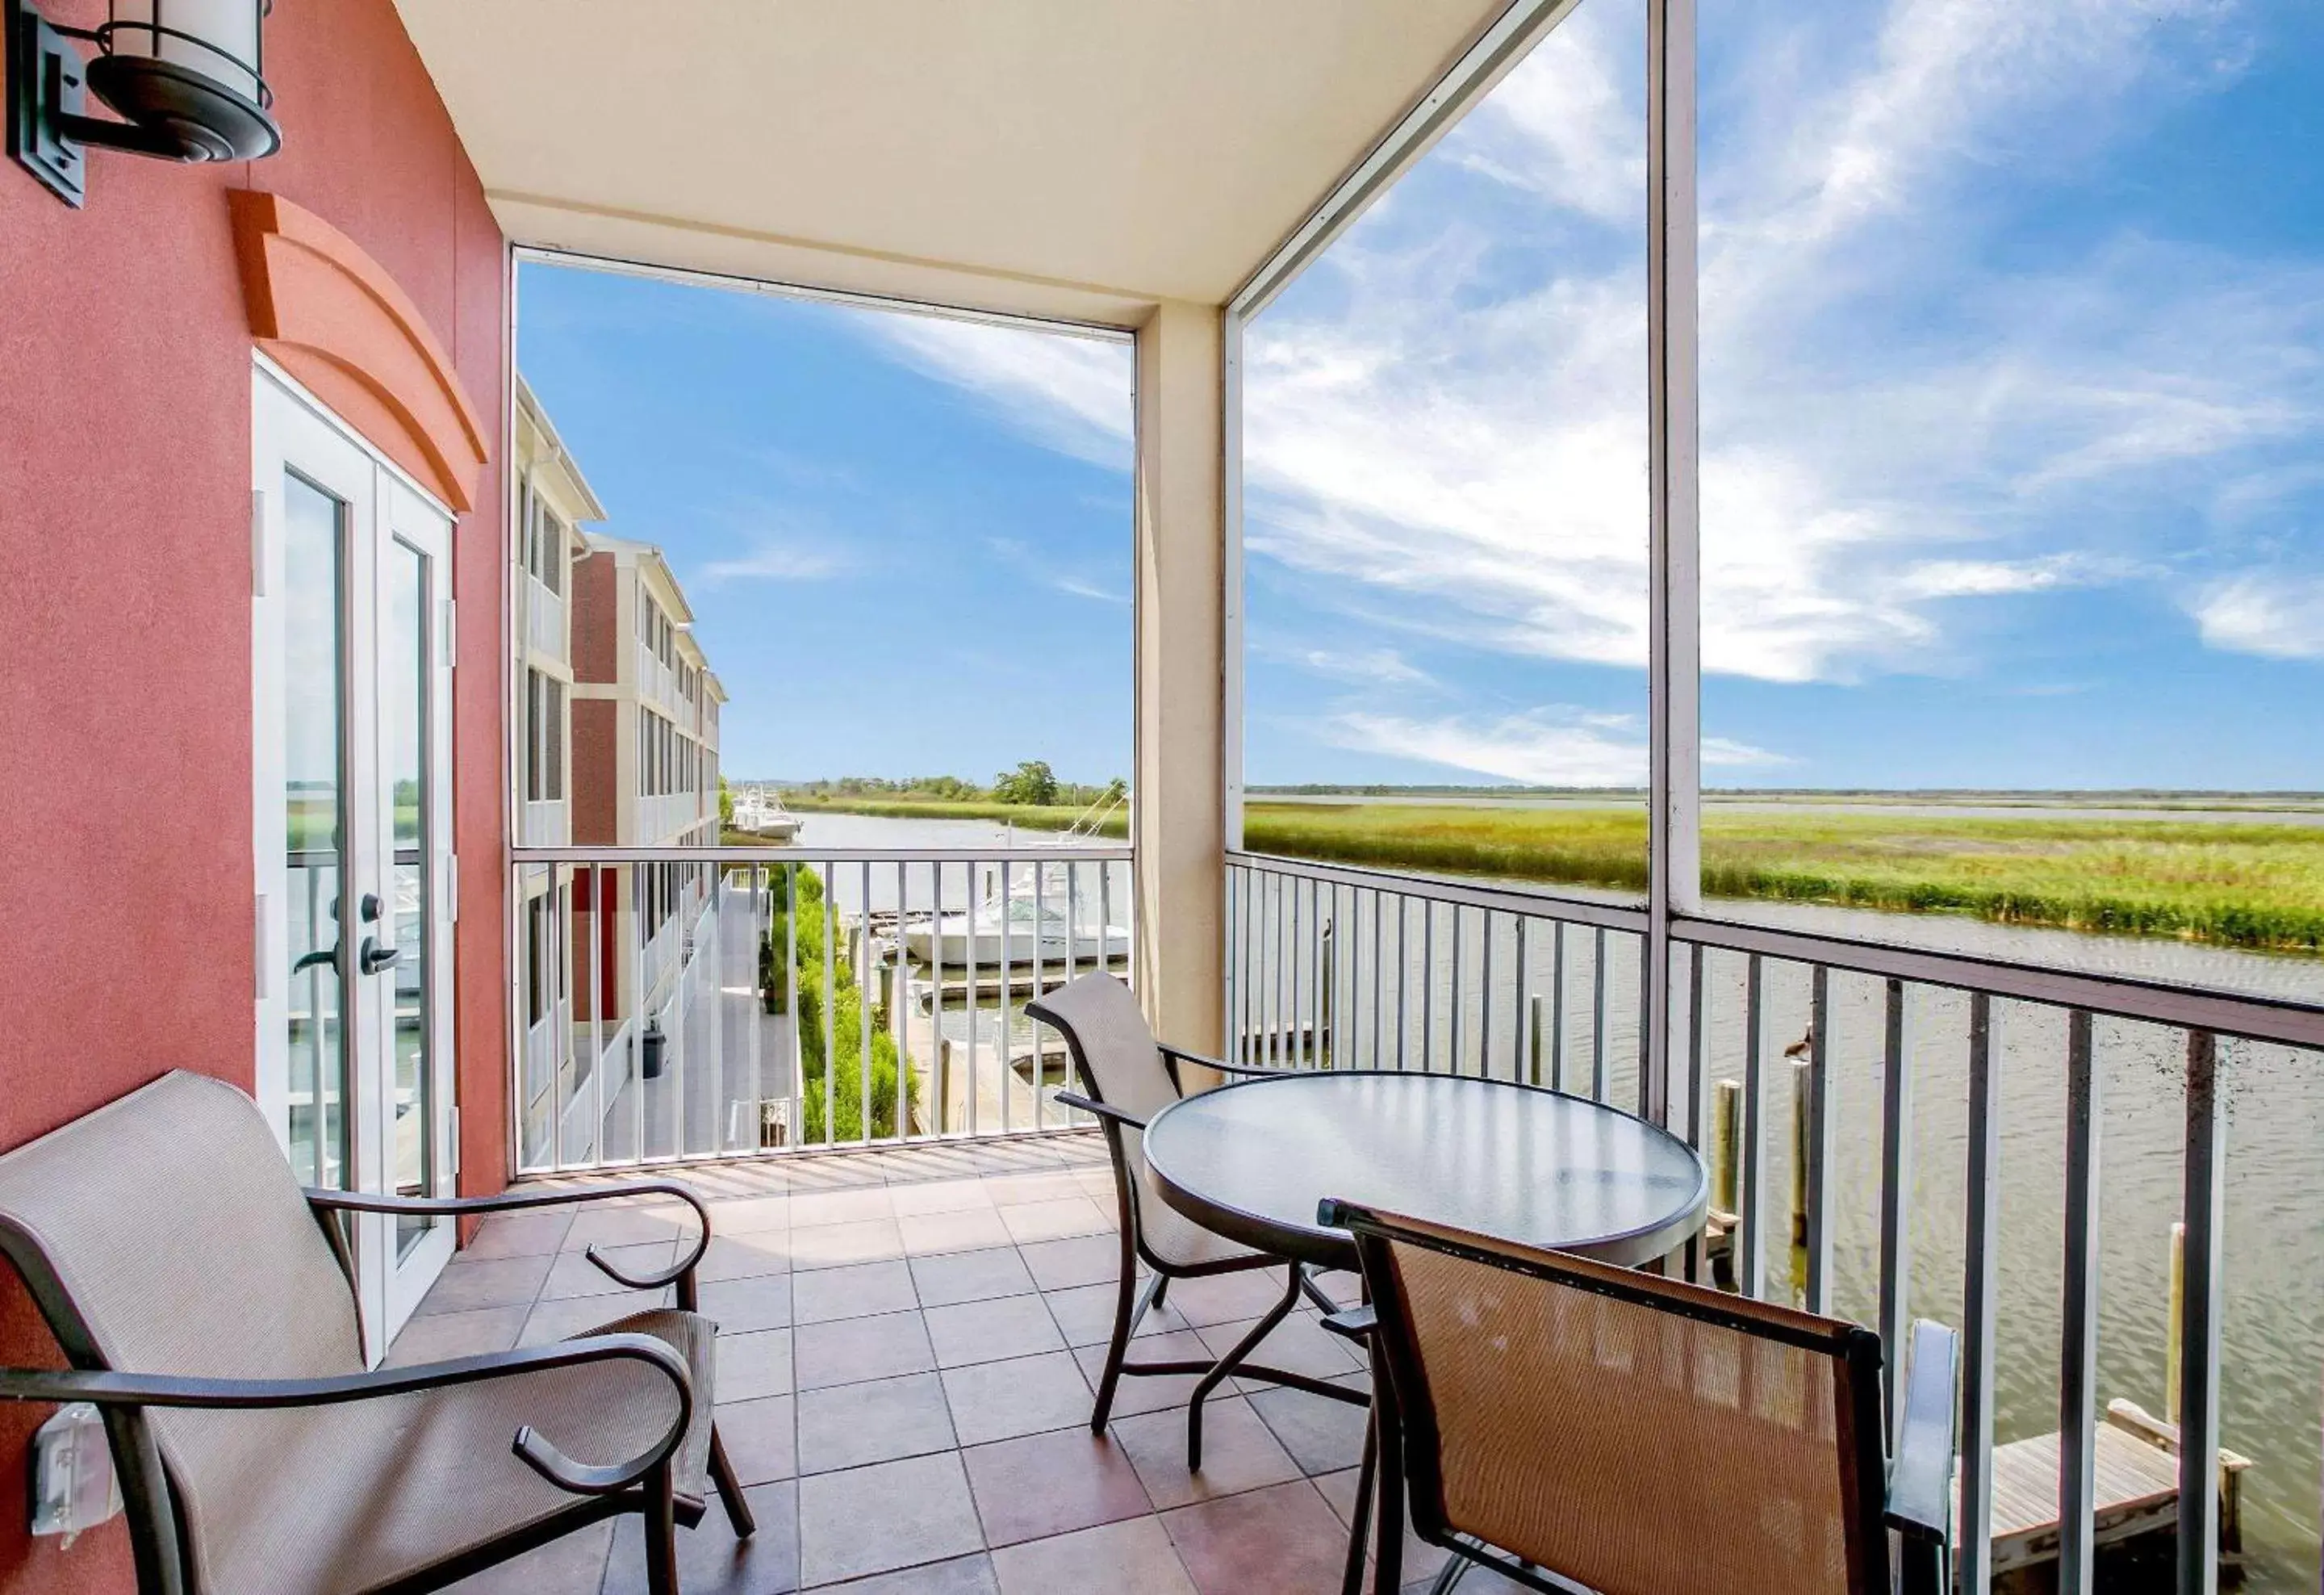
(1175, 820)
(1674, 563)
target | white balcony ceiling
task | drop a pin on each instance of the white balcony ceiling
(1073, 158)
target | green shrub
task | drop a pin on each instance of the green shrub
(835, 1113)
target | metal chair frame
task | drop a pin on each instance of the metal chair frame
(644, 1483)
(1131, 1306)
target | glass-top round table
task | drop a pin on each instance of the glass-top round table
(1252, 1160)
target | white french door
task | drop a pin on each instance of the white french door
(352, 681)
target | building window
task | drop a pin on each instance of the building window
(542, 538)
(532, 679)
(541, 973)
(544, 742)
(550, 554)
(552, 772)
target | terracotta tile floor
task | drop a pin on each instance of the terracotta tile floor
(909, 1341)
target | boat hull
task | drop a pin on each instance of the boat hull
(957, 949)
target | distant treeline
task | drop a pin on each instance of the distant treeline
(1031, 784)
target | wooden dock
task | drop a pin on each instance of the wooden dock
(2135, 1469)
(2136, 1466)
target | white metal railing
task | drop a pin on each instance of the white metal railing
(669, 816)
(1855, 1100)
(809, 999)
(1353, 969)
(544, 823)
(544, 619)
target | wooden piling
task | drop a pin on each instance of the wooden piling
(1726, 1146)
(1803, 1089)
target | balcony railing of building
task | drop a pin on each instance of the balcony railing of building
(544, 822)
(1891, 1132)
(544, 619)
(658, 685)
(674, 815)
(717, 1002)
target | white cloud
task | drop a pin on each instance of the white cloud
(1559, 125)
(1073, 394)
(2275, 614)
(1554, 746)
(1724, 752)
(1367, 667)
(774, 560)
(1917, 397)
(1077, 586)
(1045, 569)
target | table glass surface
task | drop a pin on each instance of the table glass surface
(1502, 1160)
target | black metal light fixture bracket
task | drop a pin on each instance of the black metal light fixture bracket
(176, 113)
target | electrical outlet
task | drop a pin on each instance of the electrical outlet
(74, 1488)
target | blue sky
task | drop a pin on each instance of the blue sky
(2013, 437)
(890, 576)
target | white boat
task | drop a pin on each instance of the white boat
(1031, 930)
(764, 815)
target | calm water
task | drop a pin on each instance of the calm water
(2273, 1341)
(2273, 1097)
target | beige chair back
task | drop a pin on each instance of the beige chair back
(172, 1225)
(1121, 1067)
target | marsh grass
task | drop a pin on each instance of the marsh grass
(2232, 883)
(2235, 884)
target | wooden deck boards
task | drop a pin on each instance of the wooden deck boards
(2137, 1492)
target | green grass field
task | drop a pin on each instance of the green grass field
(2235, 884)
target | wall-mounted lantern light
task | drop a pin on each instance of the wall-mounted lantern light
(185, 75)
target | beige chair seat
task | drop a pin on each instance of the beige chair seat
(696, 1339)
(327, 1514)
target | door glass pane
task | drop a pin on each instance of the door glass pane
(313, 708)
(404, 711)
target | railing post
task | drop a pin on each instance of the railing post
(831, 1002)
(2078, 1372)
(1598, 1091)
(1557, 1006)
(1327, 984)
(1750, 1277)
(2199, 1366)
(1818, 1192)
(1895, 1196)
(1523, 1014)
(1380, 944)
(1979, 1319)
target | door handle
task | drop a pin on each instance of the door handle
(373, 958)
(325, 955)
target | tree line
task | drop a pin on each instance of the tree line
(1032, 783)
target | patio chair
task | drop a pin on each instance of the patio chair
(1129, 1078)
(1553, 1415)
(206, 1305)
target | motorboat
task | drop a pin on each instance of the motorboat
(1015, 933)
